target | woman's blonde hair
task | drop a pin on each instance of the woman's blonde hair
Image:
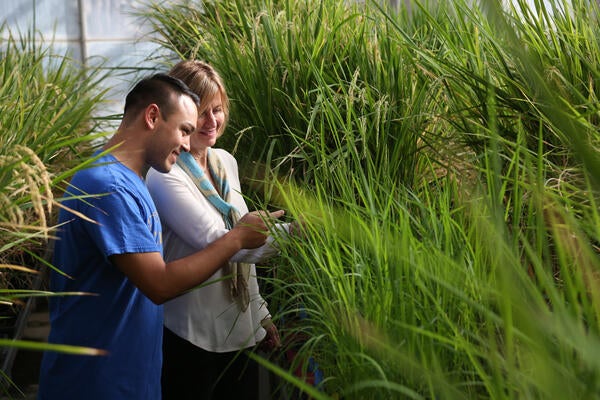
(206, 82)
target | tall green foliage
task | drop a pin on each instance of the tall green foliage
(46, 105)
(277, 60)
(445, 161)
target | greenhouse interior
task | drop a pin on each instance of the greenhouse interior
(436, 164)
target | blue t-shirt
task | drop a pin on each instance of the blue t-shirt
(116, 317)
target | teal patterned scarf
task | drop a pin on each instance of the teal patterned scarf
(219, 198)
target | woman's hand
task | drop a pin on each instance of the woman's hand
(272, 340)
(298, 227)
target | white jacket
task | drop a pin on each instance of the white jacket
(207, 316)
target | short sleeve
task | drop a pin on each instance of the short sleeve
(125, 221)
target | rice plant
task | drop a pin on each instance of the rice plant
(274, 58)
(445, 161)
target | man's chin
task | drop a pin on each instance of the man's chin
(164, 168)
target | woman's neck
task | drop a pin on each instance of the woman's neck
(201, 157)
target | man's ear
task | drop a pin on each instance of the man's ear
(151, 116)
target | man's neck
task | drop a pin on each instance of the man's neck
(128, 155)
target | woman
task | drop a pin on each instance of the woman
(198, 202)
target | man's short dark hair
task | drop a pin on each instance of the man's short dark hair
(157, 89)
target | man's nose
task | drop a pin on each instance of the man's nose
(185, 143)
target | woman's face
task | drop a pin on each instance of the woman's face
(209, 122)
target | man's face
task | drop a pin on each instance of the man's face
(172, 135)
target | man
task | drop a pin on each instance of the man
(109, 245)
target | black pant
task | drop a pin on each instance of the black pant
(190, 372)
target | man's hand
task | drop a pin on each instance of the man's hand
(253, 228)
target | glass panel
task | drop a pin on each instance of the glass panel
(130, 61)
(112, 19)
(17, 14)
(55, 22)
(58, 18)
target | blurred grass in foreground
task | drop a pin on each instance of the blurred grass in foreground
(445, 160)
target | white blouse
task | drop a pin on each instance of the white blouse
(207, 316)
